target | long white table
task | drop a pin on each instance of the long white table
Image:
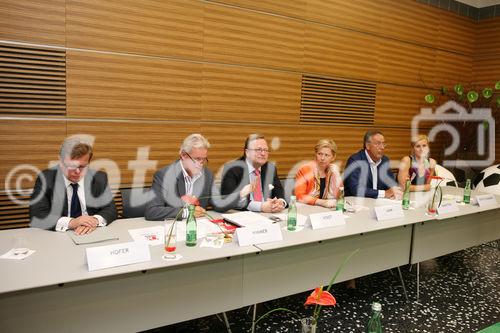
(53, 291)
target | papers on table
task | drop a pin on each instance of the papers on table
(247, 219)
(17, 253)
(101, 234)
(152, 235)
(301, 219)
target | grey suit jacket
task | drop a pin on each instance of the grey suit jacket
(168, 188)
(49, 200)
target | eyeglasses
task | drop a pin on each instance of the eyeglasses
(260, 150)
(379, 144)
(199, 160)
(74, 168)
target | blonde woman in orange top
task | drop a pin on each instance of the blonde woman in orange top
(317, 182)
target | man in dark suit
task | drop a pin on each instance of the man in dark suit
(70, 195)
(187, 180)
(368, 172)
(251, 182)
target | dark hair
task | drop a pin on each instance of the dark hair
(75, 148)
(250, 138)
(368, 136)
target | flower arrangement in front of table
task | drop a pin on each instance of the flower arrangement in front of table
(437, 195)
(318, 298)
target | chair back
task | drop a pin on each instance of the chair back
(134, 201)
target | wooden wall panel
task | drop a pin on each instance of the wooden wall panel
(404, 63)
(361, 15)
(408, 20)
(456, 33)
(33, 21)
(293, 8)
(169, 28)
(118, 86)
(452, 68)
(487, 71)
(340, 52)
(488, 38)
(119, 142)
(242, 94)
(28, 142)
(250, 38)
(397, 105)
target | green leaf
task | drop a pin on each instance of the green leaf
(429, 98)
(497, 85)
(487, 92)
(472, 96)
(459, 89)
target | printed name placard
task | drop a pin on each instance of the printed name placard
(259, 234)
(486, 200)
(448, 207)
(327, 219)
(389, 212)
(113, 255)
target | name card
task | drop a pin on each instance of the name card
(327, 219)
(486, 200)
(389, 212)
(113, 255)
(448, 207)
(259, 234)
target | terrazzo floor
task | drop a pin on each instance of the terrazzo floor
(459, 292)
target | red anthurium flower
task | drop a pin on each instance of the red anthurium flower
(321, 297)
(191, 200)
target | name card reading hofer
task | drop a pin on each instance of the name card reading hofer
(486, 200)
(259, 234)
(327, 219)
(389, 212)
(113, 255)
(448, 207)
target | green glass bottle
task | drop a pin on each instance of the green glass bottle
(340, 200)
(292, 215)
(374, 324)
(467, 191)
(191, 234)
(406, 195)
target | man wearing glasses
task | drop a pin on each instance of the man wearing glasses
(368, 172)
(70, 195)
(251, 181)
(187, 180)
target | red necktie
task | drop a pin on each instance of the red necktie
(257, 192)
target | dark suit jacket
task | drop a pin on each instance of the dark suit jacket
(168, 188)
(358, 177)
(49, 200)
(235, 177)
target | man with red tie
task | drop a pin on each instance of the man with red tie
(70, 195)
(251, 182)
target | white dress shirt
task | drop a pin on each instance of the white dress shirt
(254, 206)
(63, 222)
(373, 169)
(189, 184)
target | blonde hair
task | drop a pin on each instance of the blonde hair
(418, 138)
(326, 143)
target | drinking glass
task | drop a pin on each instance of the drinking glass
(170, 240)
